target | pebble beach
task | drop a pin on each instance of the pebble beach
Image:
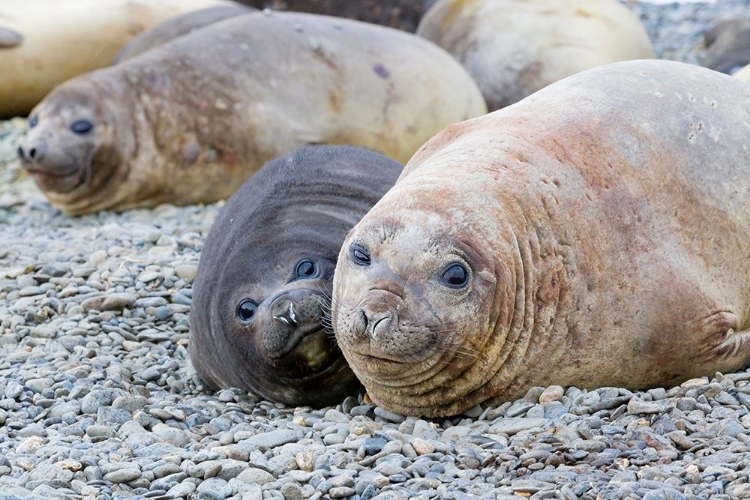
(98, 399)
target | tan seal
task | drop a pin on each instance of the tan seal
(728, 45)
(45, 42)
(177, 26)
(190, 121)
(513, 48)
(595, 234)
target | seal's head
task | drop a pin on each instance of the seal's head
(262, 293)
(423, 293)
(75, 143)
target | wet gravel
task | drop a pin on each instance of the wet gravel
(98, 399)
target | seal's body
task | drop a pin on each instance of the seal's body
(401, 14)
(264, 281)
(190, 121)
(743, 74)
(177, 26)
(55, 41)
(728, 45)
(595, 234)
(513, 48)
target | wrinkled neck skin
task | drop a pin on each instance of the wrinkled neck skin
(488, 352)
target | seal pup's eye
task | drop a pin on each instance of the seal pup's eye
(306, 269)
(246, 310)
(359, 255)
(33, 121)
(81, 126)
(455, 276)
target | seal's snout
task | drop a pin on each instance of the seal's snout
(374, 322)
(32, 153)
(283, 311)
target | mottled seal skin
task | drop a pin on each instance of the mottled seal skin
(513, 48)
(45, 42)
(264, 280)
(178, 26)
(728, 45)
(190, 121)
(573, 238)
(401, 14)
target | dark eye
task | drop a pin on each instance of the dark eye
(359, 255)
(246, 310)
(81, 126)
(33, 121)
(455, 276)
(306, 269)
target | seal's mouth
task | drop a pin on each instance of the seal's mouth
(378, 360)
(304, 338)
(55, 174)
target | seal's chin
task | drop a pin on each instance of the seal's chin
(57, 181)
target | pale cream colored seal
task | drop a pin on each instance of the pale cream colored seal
(45, 42)
(743, 74)
(595, 234)
(513, 48)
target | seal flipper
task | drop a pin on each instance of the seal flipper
(9, 38)
(724, 341)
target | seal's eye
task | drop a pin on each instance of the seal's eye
(246, 310)
(81, 126)
(33, 121)
(455, 276)
(306, 269)
(359, 255)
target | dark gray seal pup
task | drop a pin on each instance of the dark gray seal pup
(177, 26)
(264, 279)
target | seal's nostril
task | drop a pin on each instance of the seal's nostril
(32, 153)
(364, 320)
(20, 152)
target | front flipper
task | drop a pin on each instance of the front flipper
(9, 38)
(724, 344)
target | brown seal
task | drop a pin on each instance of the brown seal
(261, 299)
(514, 48)
(401, 14)
(190, 121)
(178, 26)
(573, 239)
(45, 42)
(728, 45)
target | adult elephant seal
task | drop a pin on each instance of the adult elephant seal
(178, 26)
(570, 239)
(728, 45)
(190, 121)
(45, 42)
(513, 48)
(263, 289)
